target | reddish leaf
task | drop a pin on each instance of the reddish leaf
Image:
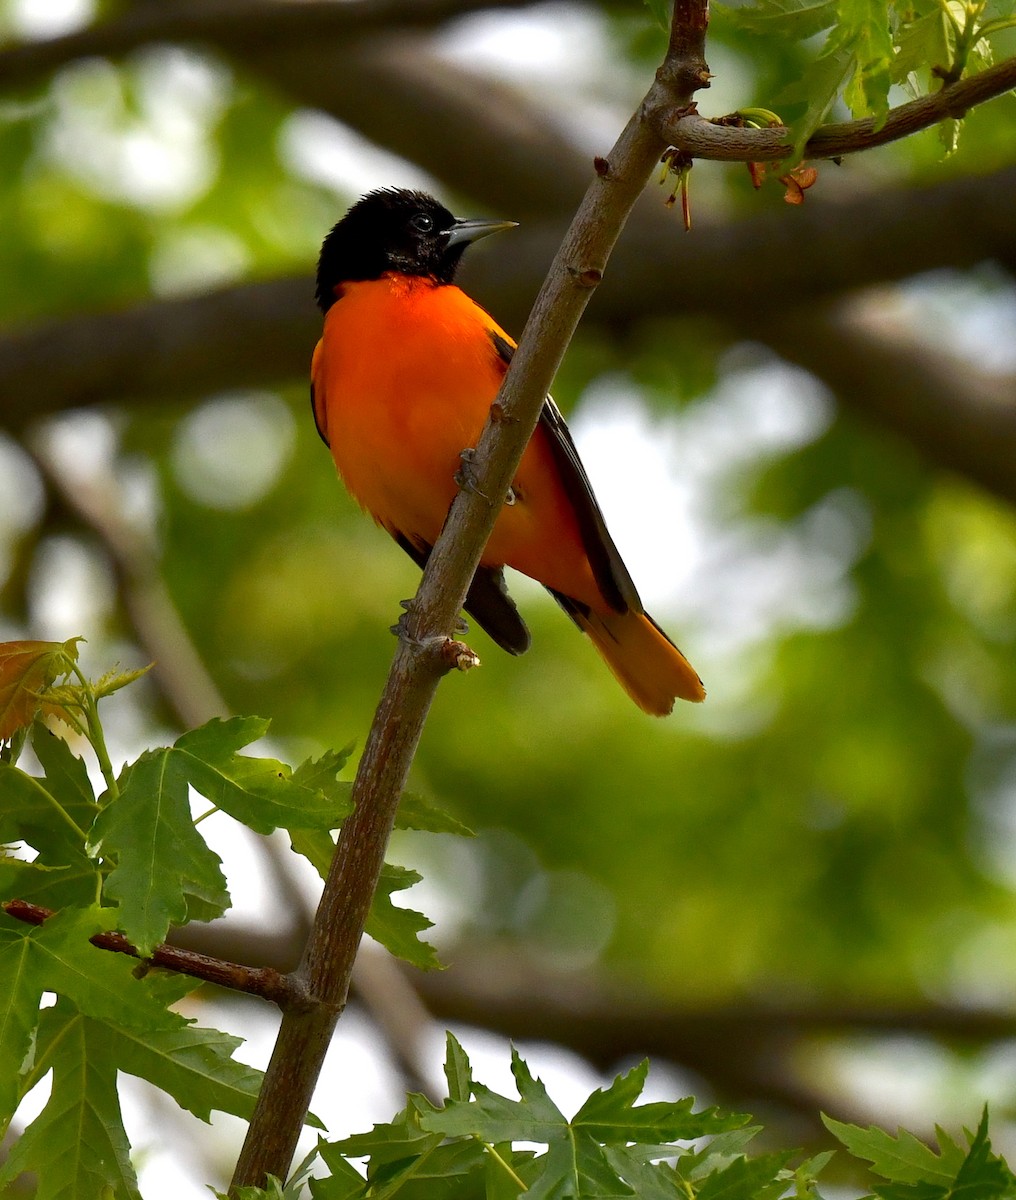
(797, 183)
(26, 670)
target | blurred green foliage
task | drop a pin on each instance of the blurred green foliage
(836, 821)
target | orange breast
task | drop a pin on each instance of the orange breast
(404, 378)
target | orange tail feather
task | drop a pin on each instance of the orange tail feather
(643, 659)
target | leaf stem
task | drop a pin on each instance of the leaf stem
(492, 1151)
(51, 799)
(95, 735)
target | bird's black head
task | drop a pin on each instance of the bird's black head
(394, 229)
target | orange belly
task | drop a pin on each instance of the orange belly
(404, 378)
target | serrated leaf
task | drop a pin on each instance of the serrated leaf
(193, 1065)
(610, 1115)
(161, 858)
(273, 1191)
(391, 1141)
(30, 813)
(457, 1069)
(534, 1117)
(19, 1015)
(66, 776)
(396, 928)
(51, 887)
(77, 1146)
(113, 681)
(344, 1181)
(650, 1180)
(902, 1159)
(926, 41)
(416, 812)
(58, 957)
(719, 1150)
(262, 793)
(27, 668)
(864, 30)
(747, 1179)
(982, 1173)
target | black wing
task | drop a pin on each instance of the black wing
(608, 567)
(319, 417)
(487, 601)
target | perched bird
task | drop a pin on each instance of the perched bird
(402, 382)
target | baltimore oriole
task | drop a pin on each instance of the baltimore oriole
(402, 383)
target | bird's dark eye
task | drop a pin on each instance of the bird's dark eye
(422, 222)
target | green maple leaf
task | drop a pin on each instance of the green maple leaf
(465, 1148)
(457, 1070)
(58, 957)
(262, 793)
(917, 1172)
(19, 1014)
(534, 1117)
(162, 861)
(864, 30)
(65, 775)
(578, 1161)
(77, 1145)
(30, 813)
(344, 1181)
(903, 1158)
(396, 928)
(165, 872)
(760, 1178)
(52, 887)
(611, 1116)
(193, 1065)
(416, 812)
(392, 1141)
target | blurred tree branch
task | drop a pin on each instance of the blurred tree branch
(741, 1050)
(747, 274)
(955, 415)
(233, 26)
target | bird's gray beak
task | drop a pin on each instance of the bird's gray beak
(471, 231)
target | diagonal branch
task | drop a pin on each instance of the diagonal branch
(415, 673)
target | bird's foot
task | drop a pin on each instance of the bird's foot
(401, 627)
(465, 476)
(452, 653)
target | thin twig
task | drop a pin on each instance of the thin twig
(417, 668)
(702, 138)
(287, 991)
